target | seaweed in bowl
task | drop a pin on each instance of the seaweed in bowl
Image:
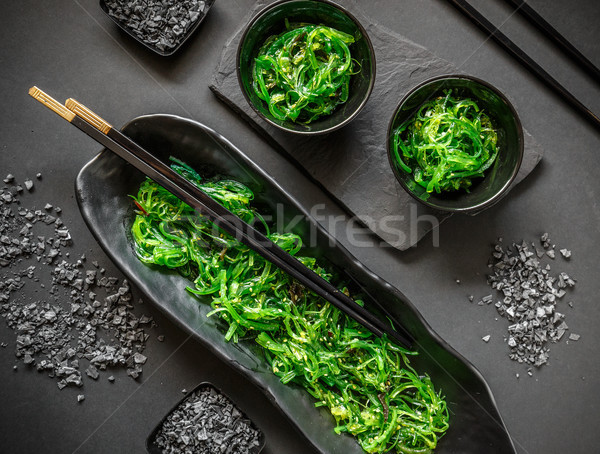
(304, 73)
(306, 66)
(103, 187)
(455, 143)
(446, 144)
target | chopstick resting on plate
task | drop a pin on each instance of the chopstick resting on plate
(478, 19)
(101, 131)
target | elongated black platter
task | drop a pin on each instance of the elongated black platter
(103, 186)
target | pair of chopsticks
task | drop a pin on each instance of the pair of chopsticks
(115, 141)
(549, 31)
(530, 14)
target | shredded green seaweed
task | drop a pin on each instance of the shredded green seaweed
(304, 73)
(446, 144)
(366, 382)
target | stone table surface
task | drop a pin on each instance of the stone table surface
(70, 48)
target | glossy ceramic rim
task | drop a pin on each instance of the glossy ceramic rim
(499, 194)
(365, 35)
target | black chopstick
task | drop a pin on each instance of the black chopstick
(478, 19)
(148, 164)
(550, 32)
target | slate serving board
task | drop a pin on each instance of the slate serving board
(351, 164)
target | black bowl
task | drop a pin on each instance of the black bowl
(153, 448)
(487, 190)
(165, 53)
(102, 189)
(271, 21)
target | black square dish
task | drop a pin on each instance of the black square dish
(204, 396)
(159, 40)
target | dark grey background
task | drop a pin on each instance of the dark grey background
(71, 49)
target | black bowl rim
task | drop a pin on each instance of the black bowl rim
(163, 53)
(208, 385)
(496, 197)
(364, 33)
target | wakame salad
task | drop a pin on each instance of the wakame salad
(366, 382)
(446, 144)
(304, 73)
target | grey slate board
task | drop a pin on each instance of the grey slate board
(351, 163)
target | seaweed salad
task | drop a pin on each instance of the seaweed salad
(365, 381)
(304, 73)
(446, 144)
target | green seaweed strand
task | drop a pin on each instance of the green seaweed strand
(366, 382)
(304, 73)
(446, 144)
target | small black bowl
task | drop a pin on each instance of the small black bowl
(165, 53)
(153, 448)
(487, 190)
(271, 21)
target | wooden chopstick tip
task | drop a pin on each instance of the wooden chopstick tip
(51, 103)
(33, 91)
(92, 118)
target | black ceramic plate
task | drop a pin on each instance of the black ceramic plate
(102, 188)
(182, 39)
(153, 448)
